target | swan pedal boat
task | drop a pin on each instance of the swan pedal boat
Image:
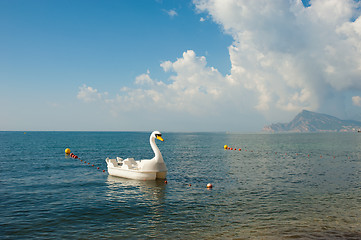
(146, 169)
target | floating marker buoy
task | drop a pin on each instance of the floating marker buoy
(98, 168)
(231, 148)
(103, 170)
(209, 185)
(165, 181)
(67, 151)
(239, 149)
(225, 146)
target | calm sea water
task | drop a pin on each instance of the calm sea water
(298, 186)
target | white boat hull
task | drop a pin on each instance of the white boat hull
(122, 170)
(137, 175)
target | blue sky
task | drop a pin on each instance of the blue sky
(176, 65)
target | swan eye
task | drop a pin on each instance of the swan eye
(158, 135)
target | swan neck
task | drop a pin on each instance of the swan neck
(158, 155)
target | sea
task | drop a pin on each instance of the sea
(269, 186)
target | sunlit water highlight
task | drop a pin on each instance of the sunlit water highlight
(299, 186)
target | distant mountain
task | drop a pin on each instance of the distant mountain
(307, 121)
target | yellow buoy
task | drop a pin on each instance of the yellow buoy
(225, 147)
(67, 151)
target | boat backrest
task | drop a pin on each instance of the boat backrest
(132, 161)
(129, 162)
(113, 162)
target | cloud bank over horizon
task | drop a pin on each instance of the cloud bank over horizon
(285, 57)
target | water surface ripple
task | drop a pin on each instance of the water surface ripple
(279, 186)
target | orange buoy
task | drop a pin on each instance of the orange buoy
(239, 149)
(103, 170)
(165, 181)
(209, 185)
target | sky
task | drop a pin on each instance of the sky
(176, 65)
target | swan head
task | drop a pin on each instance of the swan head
(157, 135)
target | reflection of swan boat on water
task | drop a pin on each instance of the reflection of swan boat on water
(123, 190)
(147, 169)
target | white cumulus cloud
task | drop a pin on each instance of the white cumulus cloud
(356, 100)
(171, 12)
(88, 94)
(292, 57)
(285, 57)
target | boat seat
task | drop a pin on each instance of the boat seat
(113, 162)
(130, 162)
